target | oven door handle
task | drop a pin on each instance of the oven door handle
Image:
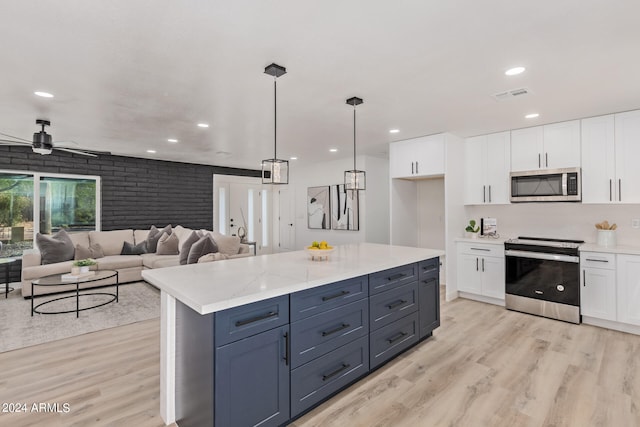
(541, 255)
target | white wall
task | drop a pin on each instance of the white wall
(374, 201)
(431, 232)
(559, 220)
(454, 211)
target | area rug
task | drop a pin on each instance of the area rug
(137, 302)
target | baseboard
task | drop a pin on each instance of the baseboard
(616, 326)
(481, 298)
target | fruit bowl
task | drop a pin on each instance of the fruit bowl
(319, 254)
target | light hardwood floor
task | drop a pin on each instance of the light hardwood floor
(485, 366)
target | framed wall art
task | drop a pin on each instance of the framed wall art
(345, 212)
(318, 208)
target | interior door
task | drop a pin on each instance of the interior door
(286, 227)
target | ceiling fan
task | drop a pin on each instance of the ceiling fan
(42, 142)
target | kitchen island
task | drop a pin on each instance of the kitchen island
(263, 339)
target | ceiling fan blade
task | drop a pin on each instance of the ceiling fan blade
(83, 153)
(17, 143)
(66, 144)
(15, 137)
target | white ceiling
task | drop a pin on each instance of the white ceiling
(128, 74)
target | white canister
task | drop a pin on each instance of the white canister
(607, 238)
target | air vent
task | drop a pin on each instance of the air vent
(501, 96)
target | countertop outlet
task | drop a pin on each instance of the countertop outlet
(635, 223)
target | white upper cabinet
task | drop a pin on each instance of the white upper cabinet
(546, 147)
(610, 153)
(418, 157)
(487, 169)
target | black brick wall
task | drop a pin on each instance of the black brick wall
(136, 193)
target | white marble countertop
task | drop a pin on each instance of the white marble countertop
(619, 249)
(215, 286)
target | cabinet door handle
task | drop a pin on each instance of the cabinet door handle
(489, 193)
(610, 191)
(257, 318)
(484, 194)
(620, 189)
(396, 276)
(480, 249)
(596, 260)
(336, 372)
(338, 295)
(546, 160)
(412, 168)
(417, 167)
(483, 265)
(476, 263)
(539, 164)
(396, 304)
(287, 349)
(334, 330)
(584, 278)
(397, 337)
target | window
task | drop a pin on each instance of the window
(71, 202)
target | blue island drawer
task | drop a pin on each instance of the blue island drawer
(322, 377)
(392, 305)
(241, 322)
(387, 279)
(429, 268)
(392, 339)
(318, 300)
(314, 336)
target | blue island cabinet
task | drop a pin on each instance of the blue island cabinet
(269, 362)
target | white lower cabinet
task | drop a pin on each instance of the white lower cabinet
(598, 285)
(628, 269)
(481, 269)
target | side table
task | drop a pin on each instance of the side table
(6, 263)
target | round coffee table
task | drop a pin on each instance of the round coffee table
(6, 263)
(59, 280)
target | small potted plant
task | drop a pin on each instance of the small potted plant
(82, 265)
(472, 229)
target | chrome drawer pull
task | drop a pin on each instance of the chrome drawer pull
(481, 249)
(597, 260)
(396, 304)
(338, 295)
(396, 276)
(397, 337)
(257, 318)
(336, 372)
(334, 330)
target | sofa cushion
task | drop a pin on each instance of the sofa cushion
(111, 241)
(183, 234)
(229, 245)
(131, 249)
(154, 235)
(117, 262)
(186, 246)
(38, 271)
(168, 244)
(204, 245)
(159, 261)
(55, 248)
(216, 256)
(80, 238)
(140, 236)
(90, 251)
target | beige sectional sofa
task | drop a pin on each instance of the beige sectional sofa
(129, 267)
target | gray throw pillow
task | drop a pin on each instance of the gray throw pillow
(229, 245)
(131, 249)
(204, 245)
(93, 251)
(153, 237)
(168, 244)
(56, 248)
(186, 247)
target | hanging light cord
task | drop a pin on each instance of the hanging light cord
(354, 137)
(275, 118)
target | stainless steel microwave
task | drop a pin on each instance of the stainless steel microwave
(550, 185)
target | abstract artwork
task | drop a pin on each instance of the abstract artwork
(318, 208)
(344, 208)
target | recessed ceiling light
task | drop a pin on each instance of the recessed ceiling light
(394, 131)
(172, 140)
(333, 150)
(514, 71)
(531, 116)
(44, 94)
(203, 125)
(293, 158)
(151, 151)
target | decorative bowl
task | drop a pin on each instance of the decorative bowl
(319, 254)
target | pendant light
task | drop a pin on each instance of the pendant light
(354, 179)
(275, 170)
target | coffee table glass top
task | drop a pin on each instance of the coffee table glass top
(56, 279)
(7, 260)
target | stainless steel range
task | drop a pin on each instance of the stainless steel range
(543, 277)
